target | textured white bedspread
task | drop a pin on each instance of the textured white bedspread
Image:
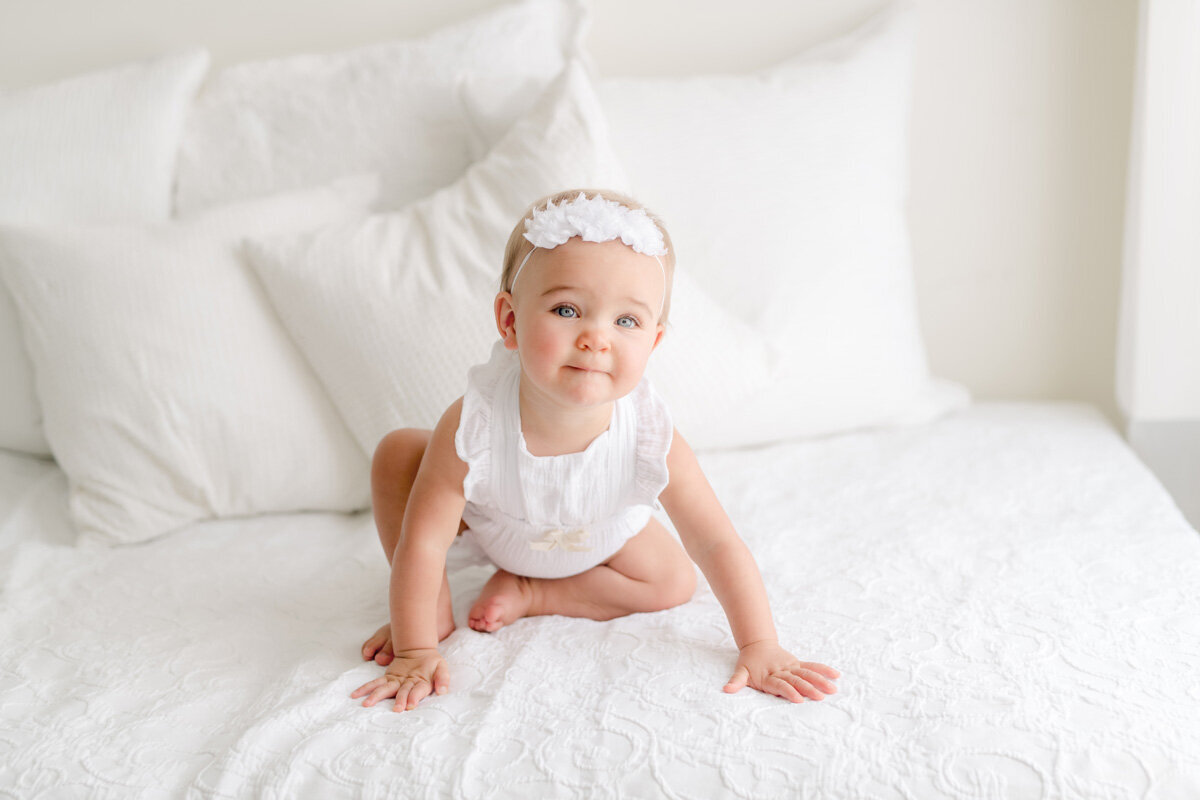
(1012, 599)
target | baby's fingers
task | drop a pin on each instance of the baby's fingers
(366, 688)
(441, 678)
(736, 683)
(378, 689)
(418, 693)
(777, 685)
(828, 672)
(805, 687)
(816, 679)
(414, 691)
(406, 699)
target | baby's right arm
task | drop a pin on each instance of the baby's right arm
(431, 521)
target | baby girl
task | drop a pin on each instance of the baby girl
(553, 461)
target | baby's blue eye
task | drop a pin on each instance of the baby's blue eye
(566, 312)
(627, 322)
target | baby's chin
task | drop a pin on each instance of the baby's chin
(589, 387)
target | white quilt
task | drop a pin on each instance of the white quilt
(1012, 599)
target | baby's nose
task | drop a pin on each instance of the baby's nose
(593, 337)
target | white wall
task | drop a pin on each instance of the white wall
(1020, 134)
(1159, 365)
(1158, 374)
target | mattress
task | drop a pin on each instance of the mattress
(1012, 599)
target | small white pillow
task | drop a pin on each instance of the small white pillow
(394, 109)
(391, 312)
(97, 148)
(171, 392)
(784, 192)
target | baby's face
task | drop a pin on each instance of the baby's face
(586, 320)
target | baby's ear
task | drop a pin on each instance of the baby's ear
(658, 336)
(506, 320)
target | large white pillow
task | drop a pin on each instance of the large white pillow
(171, 392)
(784, 191)
(394, 109)
(96, 148)
(392, 311)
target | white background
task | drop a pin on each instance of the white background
(1021, 130)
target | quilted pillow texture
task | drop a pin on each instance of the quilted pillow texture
(392, 311)
(97, 148)
(784, 191)
(171, 392)
(393, 109)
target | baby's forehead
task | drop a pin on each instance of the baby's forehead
(608, 270)
(628, 271)
(577, 252)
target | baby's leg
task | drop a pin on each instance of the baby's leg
(393, 471)
(650, 573)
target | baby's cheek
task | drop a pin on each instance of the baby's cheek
(536, 342)
(546, 349)
(633, 370)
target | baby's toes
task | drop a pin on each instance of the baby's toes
(385, 655)
(475, 620)
(370, 648)
(481, 617)
(379, 640)
(486, 615)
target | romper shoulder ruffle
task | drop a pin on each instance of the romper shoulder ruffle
(473, 440)
(654, 434)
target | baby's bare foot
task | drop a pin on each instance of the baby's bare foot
(379, 647)
(505, 598)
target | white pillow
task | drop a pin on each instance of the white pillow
(171, 392)
(393, 109)
(391, 312)
(784, 192)
(96, 148)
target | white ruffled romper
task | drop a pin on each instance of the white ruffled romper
(556, 516)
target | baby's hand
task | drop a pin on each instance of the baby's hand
(410, 678)
(769, 668)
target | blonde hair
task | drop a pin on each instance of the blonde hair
(518, 246)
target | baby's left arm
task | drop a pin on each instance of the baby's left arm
(711, 541)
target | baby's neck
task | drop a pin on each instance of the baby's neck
(553, 430)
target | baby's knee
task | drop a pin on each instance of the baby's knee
(678, 586)
(399, 451)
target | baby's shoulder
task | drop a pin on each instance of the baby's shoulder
(453, 412)
(442, 452)
(446, 430)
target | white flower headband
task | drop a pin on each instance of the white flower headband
(594, 219)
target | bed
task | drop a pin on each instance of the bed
(1011, 597)
(212, 309)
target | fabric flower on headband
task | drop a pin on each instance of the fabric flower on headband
(594, 219)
